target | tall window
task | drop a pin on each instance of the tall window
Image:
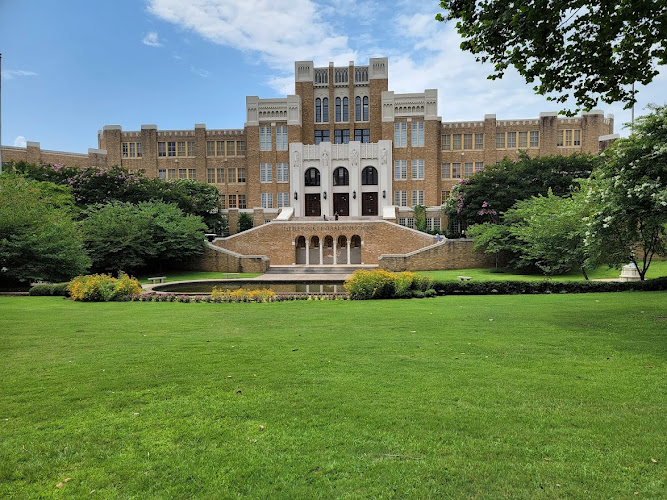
(312, 177)
(401, 198)
(162, 173)
(369, 176)
(182, 173)
(357, 109)
(240, 174)
(281, 138)
(267, 200)
(282, 172)
(467, 141)
(171, 148)
(339, 109)
(523, 139)
(325, 109)
(362, 134)
(321, 136)
(479, 166)
(417, 197)
(445, 195)
(341, 177)
(192, 173)
(445, 171)
(467, 169)
(219, 148)
(511, 140)
(479, 141)
(417, 169)
(365, 109)
(240, 148)
(242, 203)
(400, 170)
(265, 172)
(400, 134)
(162, 149)
(230, 148)
(417, 133)
(341, 136)
(210, 175)
(500, 140)
(534, 138)
(265, 138)
(346, 109)
(456, 170)
(232, 201)
(220, 175)
(446, 142)
(456, 141)
(318, 110)
(283, 200)
(210, 148)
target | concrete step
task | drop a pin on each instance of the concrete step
(316, 269)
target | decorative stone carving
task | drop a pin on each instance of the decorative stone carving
(354, 159)
(325, 159)
(383, 156)
(297, 159)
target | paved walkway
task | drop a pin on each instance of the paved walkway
(302, 277)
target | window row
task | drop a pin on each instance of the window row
(225, 148)
(265, 139)
(401, 170)
(511, 140)
(233, 201)
(432, 223)
(401, 197)
(343, 136)
(132, 150)
(282, 200)
(453, 170)
(457, 142)
(401, 134)
(266, 172)
(176, 148)
(568, 138)
(233, 175)
(341, 109)
(183, 173)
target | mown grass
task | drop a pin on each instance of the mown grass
(193, 275)
(551, 396)
(656, 270)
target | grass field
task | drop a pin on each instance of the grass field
(540, 396)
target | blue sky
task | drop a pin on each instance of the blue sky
(72, 66)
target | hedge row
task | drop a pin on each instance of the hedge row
(45, 289)
(530, 287)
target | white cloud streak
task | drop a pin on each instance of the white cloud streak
(152, 40)
(11, 74)
(20, 142)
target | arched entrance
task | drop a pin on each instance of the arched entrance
(355, 249)
(314, 251)
(328, 251)
(300, 250)
(341, 250)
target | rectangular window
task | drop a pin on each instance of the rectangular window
(221, 175)
(242, 203)
(161, 149)
(210, 175)
(230, 148)
(511, 140)
(401, 221)
(181, 148)
(410, 222)
(219, 148)
(445, 171)
(479, 166)
(265, 172)
(222, 201)
(400, 134)
(446, 142)
(210, 148)
(281, 138)
(162, 173)
(182, 173)
(577, 137)
(171, 173)
(283, 200)
(191, 148)
(265, 138)
(232, 201)
(456, 141)
(417, 169)
(417, 134)
(467, 169)
(433, 223)
(534, 138)
(568, 138)
(282, 172)
(231, 175)
(240, 174)
(500, 140)
(445, 195)
(126, 150)
(417, 197)
(171, 148)
(362, 134)
(192, 173)
(267, 200)
(456, 170)
(523, 139)
(401, 198)
(240, 148)
(479, 141)
(467, 141)
(400, 169)
(341, 136)
(139, 150)
(321, 136)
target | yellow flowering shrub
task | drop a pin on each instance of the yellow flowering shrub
(103, 288)
(241, 295)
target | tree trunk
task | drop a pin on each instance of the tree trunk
(583, 271)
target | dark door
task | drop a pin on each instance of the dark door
(313, 205)
(369, 204)
(341, 204)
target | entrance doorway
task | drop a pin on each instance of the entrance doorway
(369, 204)
(313, 205)
(341, 204)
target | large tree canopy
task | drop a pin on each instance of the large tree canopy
(588, 49)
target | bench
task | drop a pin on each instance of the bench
(464, 278)
(230, 275)
(157, 279)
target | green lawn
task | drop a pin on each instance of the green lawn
(656, 270)
(192, 275)
(540, 396)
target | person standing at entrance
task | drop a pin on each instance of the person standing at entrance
(336, 215)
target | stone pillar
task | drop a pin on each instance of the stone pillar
(335, 251)
(348, 251)
(321, 251)
(308, 252)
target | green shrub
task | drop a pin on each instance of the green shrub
(47, 289)
(103, 288)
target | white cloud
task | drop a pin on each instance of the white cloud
(20, 142)
(200, 72)
(151, 39)
(10, 74)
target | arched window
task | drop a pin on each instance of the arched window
(338, 110)
(301, 242)
(346, 115)
(312, 177)
(325, 109)
(328, 242)
(318, 110)
(314, 242)
(357, 109)
(365, 109)
(341, 177)
(369, 176)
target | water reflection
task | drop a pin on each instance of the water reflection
(205, 287)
